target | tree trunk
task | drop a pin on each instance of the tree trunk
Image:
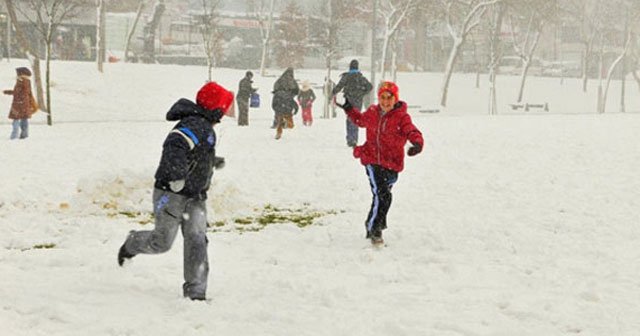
(636, 77)
(383, 67)
(600, 70)
(610, 72)
(133, 30)
(453, 55)
(100, 35)
(523, 79)
(586, 58)
(47, 75)
(527, 64)
(265, 42)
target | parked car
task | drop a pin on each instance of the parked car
(343, 63)
(562, 68)
(512, 65)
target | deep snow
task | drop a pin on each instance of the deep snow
(517, 224)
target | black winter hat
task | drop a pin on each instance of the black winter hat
(23, 71)
(249, 74)
(353, 65)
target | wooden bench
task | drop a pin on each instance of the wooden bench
(528, 106)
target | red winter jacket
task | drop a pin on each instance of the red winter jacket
(386, 135)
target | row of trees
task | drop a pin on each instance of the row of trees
(524, 21)
(486, 20)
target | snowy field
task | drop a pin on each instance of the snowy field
(518, 224)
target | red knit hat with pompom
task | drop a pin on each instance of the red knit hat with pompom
(213, 96)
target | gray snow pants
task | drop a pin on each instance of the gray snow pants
(173, 211)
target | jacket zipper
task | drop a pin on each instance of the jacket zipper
(378, 137)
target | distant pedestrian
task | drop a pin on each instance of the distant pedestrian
(23, 105)
(355, 86)
(389, 127)
(284, 105)
(329, 107)
(182, 180)
(306, 97)
(245, 89)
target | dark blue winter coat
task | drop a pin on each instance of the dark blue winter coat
(188, 152)
(355, 87)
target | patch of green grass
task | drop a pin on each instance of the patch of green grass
(42, 246)
(271, 215)
(243, 221)
(218, 224)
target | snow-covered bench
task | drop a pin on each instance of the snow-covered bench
(528, 106)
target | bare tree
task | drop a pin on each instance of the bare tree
(586, 13)
(264, 16)
(632, 13)
(211, 37)
(291, 42)
(332, 18)
(461, 18)
(495, 52)
(132, 31)
(100, 33)
(149, 40)
(530, 17)
(32, 55)
(46, 16)
(393, 13)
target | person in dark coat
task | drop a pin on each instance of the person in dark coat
(245, 89)
(354, 86)
(306, 97)
(284, 105)
(23, 105)
(389, 127)
(182, 180)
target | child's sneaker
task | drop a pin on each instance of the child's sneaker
(124, 255)
(376, 238)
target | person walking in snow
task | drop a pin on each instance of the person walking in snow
(245, 89)
(388, 128)
(329, 107)
(182, 180)
(354, 86)
(284, 105)
(23, 105)
(306, 97)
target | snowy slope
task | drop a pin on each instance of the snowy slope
(518, 224)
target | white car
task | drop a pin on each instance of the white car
(343, 63)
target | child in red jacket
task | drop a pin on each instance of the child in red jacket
(388, 127)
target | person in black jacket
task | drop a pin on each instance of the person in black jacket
(245, 89)
(284, 105)
(182, 180)
(355, 86)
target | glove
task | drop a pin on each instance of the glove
(345, 106)
(218, 162)
(414, 149)
(176, 185)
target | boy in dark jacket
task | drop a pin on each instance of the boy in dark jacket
(180, 191)
(355, 86)
(389, 127)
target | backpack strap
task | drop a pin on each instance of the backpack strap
(188, 136)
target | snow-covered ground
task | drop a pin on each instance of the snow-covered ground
(517, 224)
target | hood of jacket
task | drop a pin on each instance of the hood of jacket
(186, 108)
